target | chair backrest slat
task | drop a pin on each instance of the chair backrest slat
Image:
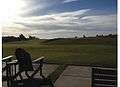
(104, 77)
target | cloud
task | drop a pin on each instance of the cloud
(68, 1)
(53, 21)
(70, 19)
(64, 23)
(37, 7)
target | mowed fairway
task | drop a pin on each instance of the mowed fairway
(77, 54)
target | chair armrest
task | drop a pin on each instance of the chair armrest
(13, 62)
(8, 58)
(39, 60)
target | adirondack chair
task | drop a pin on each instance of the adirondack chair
(104, 77)
(25, 64)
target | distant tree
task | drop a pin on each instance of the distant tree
(84, 36)
(76, 37)
(97, 35)
(110, 35)
(30, 37)
(9, 39)
(22, 37)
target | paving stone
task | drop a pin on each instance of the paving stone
(69, 81)
(75, 76)
(81, 71)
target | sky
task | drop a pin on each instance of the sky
(59, 18)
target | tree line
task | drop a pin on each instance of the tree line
(100, 36)
(21, 37)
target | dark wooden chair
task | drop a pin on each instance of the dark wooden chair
(12, 73)
(104, 77)
(38, 62)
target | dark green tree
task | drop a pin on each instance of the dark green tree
(84, 36)
(22, 37)
(30, 37)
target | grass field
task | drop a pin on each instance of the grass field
(77, 54)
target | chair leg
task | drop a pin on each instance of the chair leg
(41, 73)
(36, 71)
(26, 73)
(18, 74)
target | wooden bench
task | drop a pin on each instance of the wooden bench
(104, 77)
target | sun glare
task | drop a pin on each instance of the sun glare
(10, 9)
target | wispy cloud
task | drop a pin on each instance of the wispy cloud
(53, 18)
(64, 22)
(36, 7)
(68, 1)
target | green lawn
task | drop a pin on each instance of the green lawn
(77, 54)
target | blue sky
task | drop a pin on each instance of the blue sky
(104, 6)
(64, 18)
